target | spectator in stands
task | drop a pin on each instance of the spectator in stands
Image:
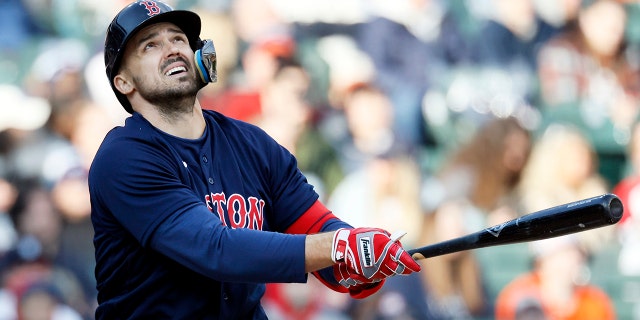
(261, 37)
(288, 117)
(412, 46)
(592, 47)
(33, 263)
(556, 287)
(385, 190)
(484, 170)
(70, 196)
(472, 188)
(241, 99)
(455, 282)
(369, 114)
(513, 35)
(588, 75)
(563, 168)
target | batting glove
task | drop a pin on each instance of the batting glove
(369, 255)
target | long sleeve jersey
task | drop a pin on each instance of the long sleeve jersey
(192, 229)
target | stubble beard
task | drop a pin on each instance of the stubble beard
(171, 100)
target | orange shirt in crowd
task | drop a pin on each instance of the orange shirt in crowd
(524, 295)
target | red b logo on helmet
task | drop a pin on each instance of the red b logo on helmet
(151, 6)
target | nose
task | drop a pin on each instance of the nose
(171, 47)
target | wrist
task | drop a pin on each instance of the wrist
(318, 251)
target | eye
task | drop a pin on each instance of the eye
(180, 39)
(149, 46)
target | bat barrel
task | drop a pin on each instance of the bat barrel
(561, 220)
(573, 217)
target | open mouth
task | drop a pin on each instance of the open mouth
(175, 70)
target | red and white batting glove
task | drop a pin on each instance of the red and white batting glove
(369, 255)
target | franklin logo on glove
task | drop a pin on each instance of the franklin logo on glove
(365, 246)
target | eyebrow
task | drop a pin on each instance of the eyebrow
(155, 33)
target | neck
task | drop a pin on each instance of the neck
(184, 119)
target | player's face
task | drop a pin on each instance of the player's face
(159, 63)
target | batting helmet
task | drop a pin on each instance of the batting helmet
(133, 18)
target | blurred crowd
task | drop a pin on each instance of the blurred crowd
(436, 117)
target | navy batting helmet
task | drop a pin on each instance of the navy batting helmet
(133, 18)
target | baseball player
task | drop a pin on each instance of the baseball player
(194, 212)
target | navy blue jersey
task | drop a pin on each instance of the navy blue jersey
(180, 224)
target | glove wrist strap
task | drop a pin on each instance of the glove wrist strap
(340, 243)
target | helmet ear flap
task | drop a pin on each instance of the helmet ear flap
(206, 60)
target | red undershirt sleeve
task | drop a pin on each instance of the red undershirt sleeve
(320, 219)
(313, 220)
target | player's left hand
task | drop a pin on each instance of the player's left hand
(369, 255)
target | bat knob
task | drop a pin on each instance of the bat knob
(615, 209)
(417, 256)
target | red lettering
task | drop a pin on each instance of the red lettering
(240, 213)
(237, 211)
(255, 213)
(218, 201)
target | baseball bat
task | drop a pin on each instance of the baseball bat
(578, 216)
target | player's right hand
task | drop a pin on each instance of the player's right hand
(369, 255)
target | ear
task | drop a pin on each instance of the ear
(123, 84)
